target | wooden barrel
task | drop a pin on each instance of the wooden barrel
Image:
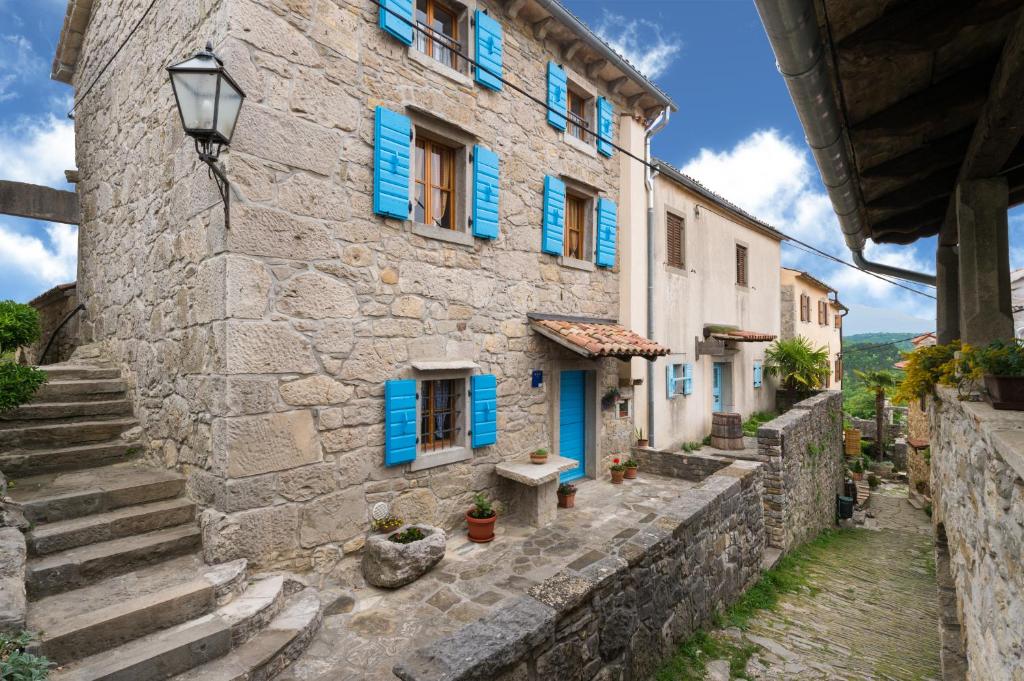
(727, 430)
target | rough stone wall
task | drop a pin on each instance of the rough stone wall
(804, 469)
(616, 618)
(977, 458)
(918, 468)
(53, 306)
(692, 467)
(789, 311)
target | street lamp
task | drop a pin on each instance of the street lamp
(209, 101)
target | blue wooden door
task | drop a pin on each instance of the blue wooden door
(716, 387)
(572, 438)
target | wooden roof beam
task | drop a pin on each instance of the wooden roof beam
(937, 153)
(932, 186)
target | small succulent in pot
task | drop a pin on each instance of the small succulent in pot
(566, 495)
(539, 456)
(641, 437)
(618, 470)
(481, 518)
(632, 468)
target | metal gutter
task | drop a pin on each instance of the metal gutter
(652, 129)
(594, 42)
(792, 27)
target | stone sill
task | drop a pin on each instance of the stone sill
(1004, 429)
(437, 67)
(580, 145)
(576, 264)
(452, 236)
(442, 458)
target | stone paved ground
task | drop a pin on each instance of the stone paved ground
(875, 615)
(385, 625)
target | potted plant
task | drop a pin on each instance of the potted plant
(609, 398)
(566, 495)
(618, 470)
(481, 518)
(799, 366)
(857, 470)
(539, 456)
(641, 437)
(1001, 365)
(873, 481)
(632, 466)
(386, 524)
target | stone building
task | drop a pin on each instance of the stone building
(420, 278)
(811, 308)
(716, 283)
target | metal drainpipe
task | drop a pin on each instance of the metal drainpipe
(656, 125)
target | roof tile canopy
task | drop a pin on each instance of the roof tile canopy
(744, 336)
(595, 337)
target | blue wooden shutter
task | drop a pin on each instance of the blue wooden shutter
(606, 228)
(605, 126)
(392, 134)
(399, 422)
(489, 50)
(394, 24)
(757, 374)
(485, 193)
(554, 216)
(687, 378)
(670, 380)
(558, 97)
(483, 392)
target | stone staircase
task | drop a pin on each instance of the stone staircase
(117, 587)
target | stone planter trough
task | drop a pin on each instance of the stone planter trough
(389, 564)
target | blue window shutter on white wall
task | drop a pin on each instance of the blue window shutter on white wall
(399, 422)
(558, 97)
(606, 229)
(485, 193)
(687, 379)
(757, 374)
(393, 24)
(605, 126)
(484, 413)
(670, 380)
(489, 51)
(553, 228)
(391, 145)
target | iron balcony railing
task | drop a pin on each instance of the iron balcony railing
(441, 47)
(578, 127)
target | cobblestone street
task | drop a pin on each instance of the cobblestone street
(874, 613)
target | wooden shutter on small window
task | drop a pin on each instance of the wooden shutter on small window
(805, 307)
(676, 249)
(741, 265)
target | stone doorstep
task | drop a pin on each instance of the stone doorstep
(28, 463)
(42, 434)
(167, 652)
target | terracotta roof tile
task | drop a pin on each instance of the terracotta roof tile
(744, 336)
(596, 338)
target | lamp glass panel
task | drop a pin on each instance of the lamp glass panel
(227, 112)
(196, 94)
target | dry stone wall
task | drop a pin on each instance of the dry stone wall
(617, 617)
(977, 461)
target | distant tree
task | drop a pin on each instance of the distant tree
(19, 325)
(879, 382)
(799, 367)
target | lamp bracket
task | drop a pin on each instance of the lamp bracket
(208, 155)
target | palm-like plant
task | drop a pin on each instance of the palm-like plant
(880, 382)
(799, 367)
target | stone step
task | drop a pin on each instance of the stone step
(71, 494)
(67, 371)
(37, 411)
(24, 463)
(169, 652)
(100, 527)
(77, 567)
(271, 650)
(56, 434)
(79, 390)
(110, 613)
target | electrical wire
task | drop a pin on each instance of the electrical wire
(814, 251)
(856, 347)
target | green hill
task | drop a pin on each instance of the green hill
(874, 338)
(869, 352)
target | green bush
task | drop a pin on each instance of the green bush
(17, 384)
(756, 420)
(16, 664)
(19, 325)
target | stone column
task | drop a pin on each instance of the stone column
(985, 313)
(947, 305)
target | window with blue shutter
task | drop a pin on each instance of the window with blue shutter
(558, 98)
(399, 422)
(392, 134)
(606, 229)
(553, 227)
(396, 18)
(485, 193)
(670, 380)
(489, 51)
(687, 378)
(605, 126)
(483, 393)
(757, 375)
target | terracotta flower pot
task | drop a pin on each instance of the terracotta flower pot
(481, 530)
(617, 477)
(642, 443)
(631, 472)
(1005, 392)
(856, 476)
(538, 459)
(567, 500)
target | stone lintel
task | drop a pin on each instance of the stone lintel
(38, 202)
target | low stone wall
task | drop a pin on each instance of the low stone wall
(53, 306)
(685, 466)
(12, 580)
(977, 462)
(614, 618)
(803, 455)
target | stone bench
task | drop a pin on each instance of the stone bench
(536, 498)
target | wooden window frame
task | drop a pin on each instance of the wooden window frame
(675, 259)
(429, 442)
(584, 203)
(427, 45)
(742, 265)
(428, 144)
(573, 128)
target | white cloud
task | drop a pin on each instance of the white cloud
(18, 63)
(640, 42)
(50, 263)
(38, 151)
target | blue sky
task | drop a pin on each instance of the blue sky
(736, 131)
